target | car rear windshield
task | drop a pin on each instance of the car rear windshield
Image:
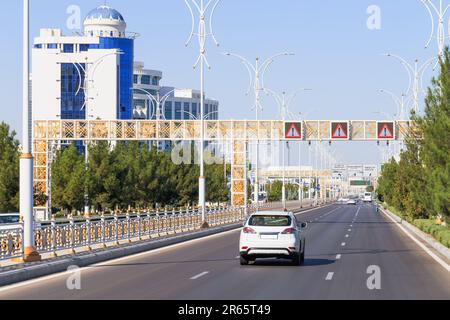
(270, 221)
(9, 219)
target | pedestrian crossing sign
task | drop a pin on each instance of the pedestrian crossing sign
(386, 130)
(293, 130)
(339, 130)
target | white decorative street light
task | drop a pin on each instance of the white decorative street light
(256, 74)
(26, 159)
(441, 36)
(284, 102)
(415, 76)
(202, 34)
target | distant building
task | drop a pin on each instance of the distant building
(87, 76)
(180, 104)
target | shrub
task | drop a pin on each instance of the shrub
(439, 232)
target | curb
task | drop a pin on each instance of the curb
(439, 247)
(84, 260)
(41, 269)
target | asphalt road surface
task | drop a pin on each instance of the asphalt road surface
(343, 243)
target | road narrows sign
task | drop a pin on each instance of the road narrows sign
(293, 130)
(339, 130)
(386, 130)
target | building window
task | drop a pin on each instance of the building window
(135, 78)
(84, 47)
(168, 110)
(155, 81)
(178, 111)
(38, 46)
(72, 94)
(68, 48)
(187, 113)
(52, 46)
(195, 110)
(146, 80)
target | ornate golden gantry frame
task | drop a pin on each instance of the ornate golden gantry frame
(48, 134)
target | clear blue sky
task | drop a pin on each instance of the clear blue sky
(336, 54)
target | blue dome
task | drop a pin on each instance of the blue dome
(105, 12)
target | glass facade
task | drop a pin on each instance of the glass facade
(72, 94)
(125, 109)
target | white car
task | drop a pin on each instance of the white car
(272, 234)
(351, 201)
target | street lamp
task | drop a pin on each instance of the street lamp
(284, 101)
(440, 12)
(202, 34)
(415, 75)
(26, 159)
(256, 74)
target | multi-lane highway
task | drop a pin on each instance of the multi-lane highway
(343, 242)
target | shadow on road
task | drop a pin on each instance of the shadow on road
(283, 262)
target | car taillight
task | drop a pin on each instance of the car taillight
(249, 230)
(288, 231)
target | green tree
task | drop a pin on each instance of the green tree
(9, 170)
(435, 145)
(68, 180)
(275, 191)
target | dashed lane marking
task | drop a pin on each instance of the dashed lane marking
(200, 275)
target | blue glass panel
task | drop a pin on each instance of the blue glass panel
(125, 110)
(178, 111)
(84, 47)
(72, 94)
(68, 48)
(52, 46)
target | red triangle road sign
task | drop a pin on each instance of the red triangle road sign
(386, 132)
(340, 132)
(293, 131)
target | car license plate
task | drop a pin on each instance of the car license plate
(269, 236)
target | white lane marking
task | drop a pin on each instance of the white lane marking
(137, 255)
(346, 235)
(329, 276)
(343, 244)
(420, 244)
(349, 230)
(238, 257)
(200, 275)
(338, 257)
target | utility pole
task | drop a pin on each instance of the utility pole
(26, 159)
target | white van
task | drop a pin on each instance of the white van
(367, 197)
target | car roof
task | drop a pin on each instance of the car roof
(272, 213)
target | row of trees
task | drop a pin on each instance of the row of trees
(9, 170)
(129, 174)
(418, 185)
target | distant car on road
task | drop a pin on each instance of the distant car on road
(272, 234)
(351, 202)
(9, 221)
(367, 197)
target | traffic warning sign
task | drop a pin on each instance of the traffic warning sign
(293, 130)
(386, 130)
(339, 130)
